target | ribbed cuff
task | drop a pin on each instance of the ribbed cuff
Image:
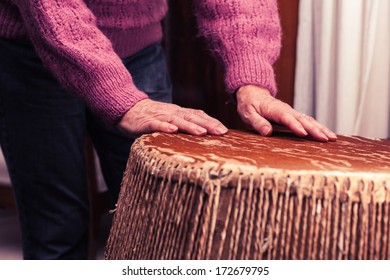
(117, 108)
(111, 92)
(248, 69)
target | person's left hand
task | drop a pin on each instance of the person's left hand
(256, 106)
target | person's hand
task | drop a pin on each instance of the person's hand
(149, 116)
(257, 107)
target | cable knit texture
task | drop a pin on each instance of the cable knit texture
(81, 42)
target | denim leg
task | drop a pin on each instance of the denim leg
(42, 138)
(150, 74)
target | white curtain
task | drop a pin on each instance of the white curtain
(343, 65)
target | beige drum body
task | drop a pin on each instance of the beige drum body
(244, 196)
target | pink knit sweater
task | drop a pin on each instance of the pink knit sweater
(81, 42)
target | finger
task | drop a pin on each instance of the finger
(137, 129)
(326, 131)
(260, 124)
(158, 125)
(172, 124)
(314, 128)
(188, 126)
(282, 113)
(199, 117)
(330, 134)
(289, 120)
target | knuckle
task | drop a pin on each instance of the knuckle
(240, 110)
(187, 116)
(245, 115)
(199, 112)
(310, 119)
(270, 107)
(284, 117)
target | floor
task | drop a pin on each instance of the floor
(10, 240)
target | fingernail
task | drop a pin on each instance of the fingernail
(265, 130)
(324, 137)
(333, 136)
(172, 128)
(201, 130)
(303, 131)
(221, 130)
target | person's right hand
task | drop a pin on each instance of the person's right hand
(149, 116)
(257, 108)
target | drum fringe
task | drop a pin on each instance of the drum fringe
(172, 209)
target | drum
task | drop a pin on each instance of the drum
(244, 196)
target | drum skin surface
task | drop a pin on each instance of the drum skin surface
(244, 196)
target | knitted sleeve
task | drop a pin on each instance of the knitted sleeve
(65, 36)
(245, 36)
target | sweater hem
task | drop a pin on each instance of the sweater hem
(127, 42)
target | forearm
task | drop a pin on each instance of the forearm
(245, 37)
(65, 36)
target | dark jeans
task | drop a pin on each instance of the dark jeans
(43, 129)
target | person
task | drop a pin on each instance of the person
(71, 67)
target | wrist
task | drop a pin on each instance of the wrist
(246, 90)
